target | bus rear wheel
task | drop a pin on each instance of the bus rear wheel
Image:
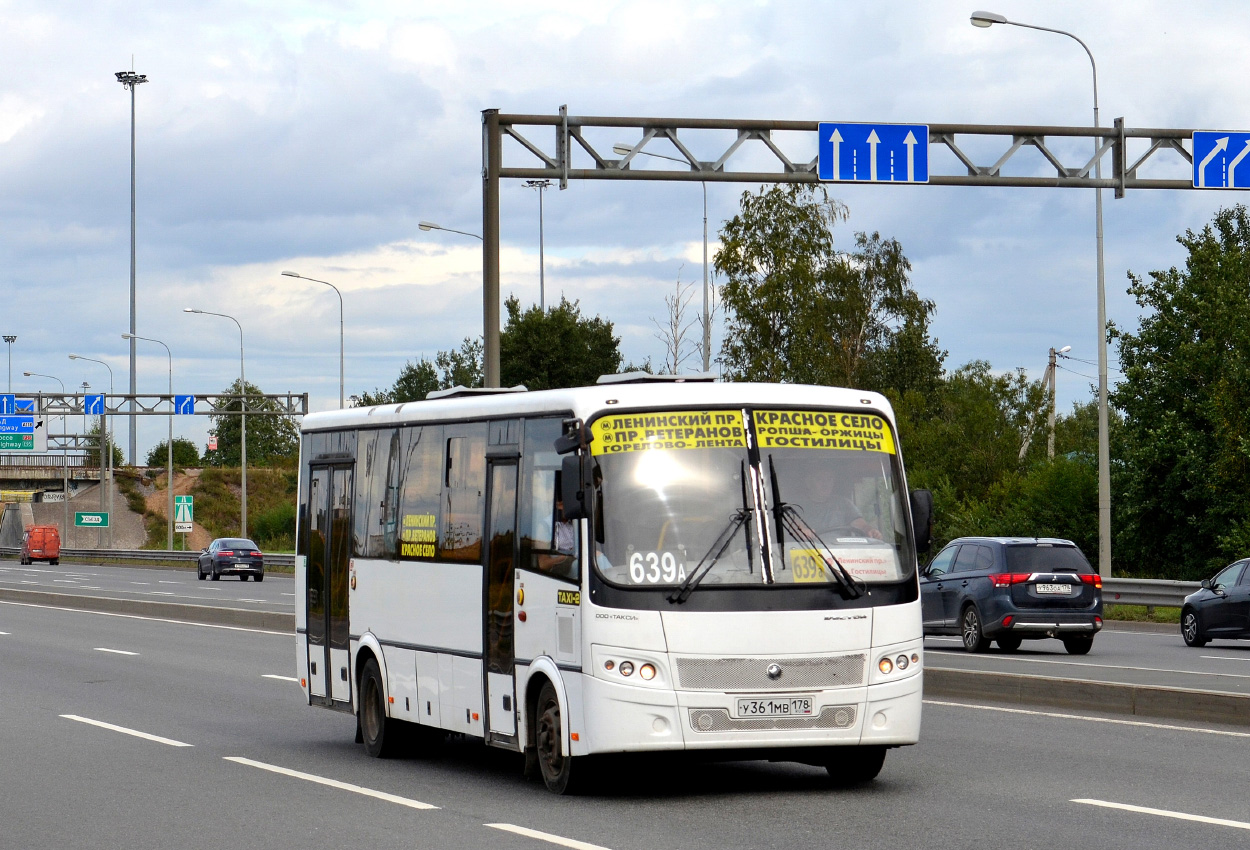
(555, 765)
(850, 766)
(378, 732)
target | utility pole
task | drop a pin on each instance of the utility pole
(541, 186)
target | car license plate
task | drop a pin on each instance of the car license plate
(766, 707)
(1056, 589)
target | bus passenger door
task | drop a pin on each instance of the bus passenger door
(501, 558)
(328, 547)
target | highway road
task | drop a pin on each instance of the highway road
(275, 593)
(125, 732)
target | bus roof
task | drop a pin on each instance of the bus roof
(586, 402)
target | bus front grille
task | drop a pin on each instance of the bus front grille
(752, 674)
(718, 720)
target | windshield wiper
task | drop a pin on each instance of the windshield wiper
(851, 586)
(740, 518)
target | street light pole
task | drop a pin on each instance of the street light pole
(987, 19)
(541, 186)
(1049, 380)
(242, 417)
(64, 455)
(9, 339)
(106, 436)
(169, 443)
(130, 81)
(625, 150)
(340, 295)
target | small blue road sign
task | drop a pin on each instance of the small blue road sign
(873, 153)
(8, 404)
(1221, 160)
(93, 405)
(184, 404)
(23, 405)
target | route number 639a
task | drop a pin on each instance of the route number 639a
(655, 568)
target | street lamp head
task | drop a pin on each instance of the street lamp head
(191, 310)
(9, 338)
(129, 336)
(537, 184)
(623, 150)
(73, 357)
(986, 19)
(1064, 350)
(28, 374)
(130, 79)
(291, 274)
(428, 225)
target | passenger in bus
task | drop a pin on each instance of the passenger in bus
(562, 559)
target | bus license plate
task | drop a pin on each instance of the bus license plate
(766, 707)
(1065, 589)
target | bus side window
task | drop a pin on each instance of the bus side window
(464, 493)
(547, 544)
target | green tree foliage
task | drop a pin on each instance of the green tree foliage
(416, 380)
(93, 453)
(555, 348)
(271, 440)
(463, 366)
(798, 310)
(185, 454)
(1186, 403)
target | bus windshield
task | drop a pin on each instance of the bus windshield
(752, 497)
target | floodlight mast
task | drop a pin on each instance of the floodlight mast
(130, 81)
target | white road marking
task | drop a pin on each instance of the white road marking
(1107, 667)
(163, 581)
(262, 601)
(29, 582)
(333, 783)
(150, 619)
(141, 582)
(144, 735)
(88, 587)
(65, 581)
(1236, 824)
(160, 593)
(114, 651)
(266, 675)
(288, 594)
(3, 633)
(547, 836)
(1116, 722)
(1224, 658)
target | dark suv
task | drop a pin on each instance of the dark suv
(1011, 589)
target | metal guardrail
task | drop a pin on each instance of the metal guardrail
(1139, 591)
(145, 555)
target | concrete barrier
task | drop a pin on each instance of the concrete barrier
(1113, 697)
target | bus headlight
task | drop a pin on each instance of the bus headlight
(647, 671)
(885, 665)
(626, 668)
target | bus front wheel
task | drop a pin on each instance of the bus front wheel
(555, 765)
(379, 732)
(849, 766)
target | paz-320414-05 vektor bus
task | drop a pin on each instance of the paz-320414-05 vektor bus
(641, 565)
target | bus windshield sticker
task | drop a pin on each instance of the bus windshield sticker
(873, 563)
(568, 597)
(673, 429)
(805, 429)
(419, 533)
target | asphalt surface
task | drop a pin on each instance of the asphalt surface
(276, 593)
(1157, 658)
(1000, 776)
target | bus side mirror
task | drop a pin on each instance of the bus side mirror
(575, 489)
(922, 519)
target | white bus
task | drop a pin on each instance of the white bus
(641, 565)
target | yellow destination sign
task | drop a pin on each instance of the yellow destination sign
(808, 429)
(671, 429)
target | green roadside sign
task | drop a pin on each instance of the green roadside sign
(97, 519)
(17, 442)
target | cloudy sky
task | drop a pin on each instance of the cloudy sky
(314, 136)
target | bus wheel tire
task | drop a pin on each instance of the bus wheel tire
(855, 765)
(555, 766)
(380, 733)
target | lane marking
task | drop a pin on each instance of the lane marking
(1099, 666)
(1224, 657)
(1166, 813)
(86, 587)
(266, 675)
(114, 651)
(163, 581)
(150, 619)
(546, 836)
(287, 594)
(135, 732)
(333, 783)
(65, 581)
(1089, 719)
(262, 601)
(3, 633)
(141, 582)
(160, 593)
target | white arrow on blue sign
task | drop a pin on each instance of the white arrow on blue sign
(873, 153)
(93, 405)
(8, 404)
(1221, 160)
(184, 404)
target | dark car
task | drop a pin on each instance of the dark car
(1221, 609)
(231, 556)
(1009, 590)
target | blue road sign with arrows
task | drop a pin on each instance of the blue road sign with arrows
(184, 404)
(93, 405)
(1221, 160)
(873, 153)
